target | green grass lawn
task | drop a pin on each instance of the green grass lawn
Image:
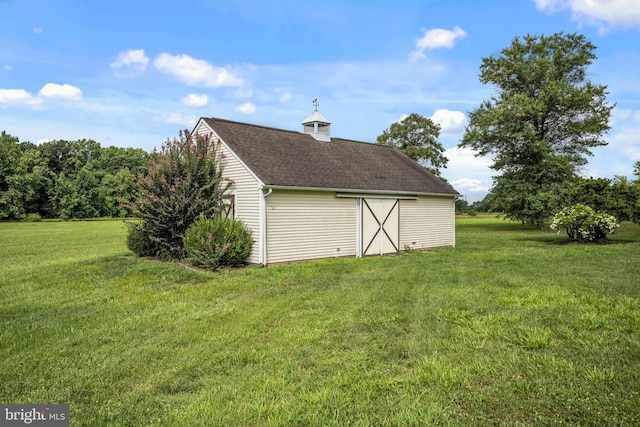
(511, 327)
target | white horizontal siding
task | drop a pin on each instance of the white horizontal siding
(247, 199)
(427, 222)
(246, 191)
(202, 129)
(308, 225)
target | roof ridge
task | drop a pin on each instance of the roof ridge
(288, 130)
(252, 125)
(354, 140)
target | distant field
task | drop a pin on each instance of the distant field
(511, 327)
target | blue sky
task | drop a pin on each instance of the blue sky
(132, 73)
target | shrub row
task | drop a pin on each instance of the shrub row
(209, 242)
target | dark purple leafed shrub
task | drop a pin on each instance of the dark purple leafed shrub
(184, 182)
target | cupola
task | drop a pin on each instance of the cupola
(317, 125)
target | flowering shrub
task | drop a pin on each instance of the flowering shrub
(582, 223)
(184, 181)
(218, 242)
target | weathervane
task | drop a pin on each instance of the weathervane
(316, 103)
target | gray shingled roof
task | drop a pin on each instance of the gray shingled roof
(294, 159)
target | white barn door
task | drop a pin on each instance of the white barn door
(380, 226)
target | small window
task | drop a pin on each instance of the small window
(228, 208)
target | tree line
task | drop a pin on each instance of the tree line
(66, 179)
(619, 196)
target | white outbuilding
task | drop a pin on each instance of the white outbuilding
(306, 195)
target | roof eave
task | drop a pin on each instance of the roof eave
(359, 191)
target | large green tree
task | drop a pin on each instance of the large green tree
(542, 123)
(417, 137)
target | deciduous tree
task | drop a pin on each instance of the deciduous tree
(417, 137)
(544, 120)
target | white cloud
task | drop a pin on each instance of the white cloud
(449, 121)
(402, 117)
(246, 108)
(599, 13)
(134, 58)
(64, 91)
(242, 92)
(468, 174)
(195, 71)
(622, 118)
(621, 115)
(464, 159)
(625, 141)
(284, 95)
(436, 38)
(37, 30)
(19, 97)
(469, 185)
(439, 37)
(195, 100)
(8, 67)
(624, 145)
(179, 119)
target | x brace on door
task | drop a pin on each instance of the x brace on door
(388, 239)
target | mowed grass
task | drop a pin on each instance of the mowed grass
(511, 327)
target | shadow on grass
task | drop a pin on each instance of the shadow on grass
(540, 237)
(113, 269)
(491, 225)
(605, 242)
(552, 239)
